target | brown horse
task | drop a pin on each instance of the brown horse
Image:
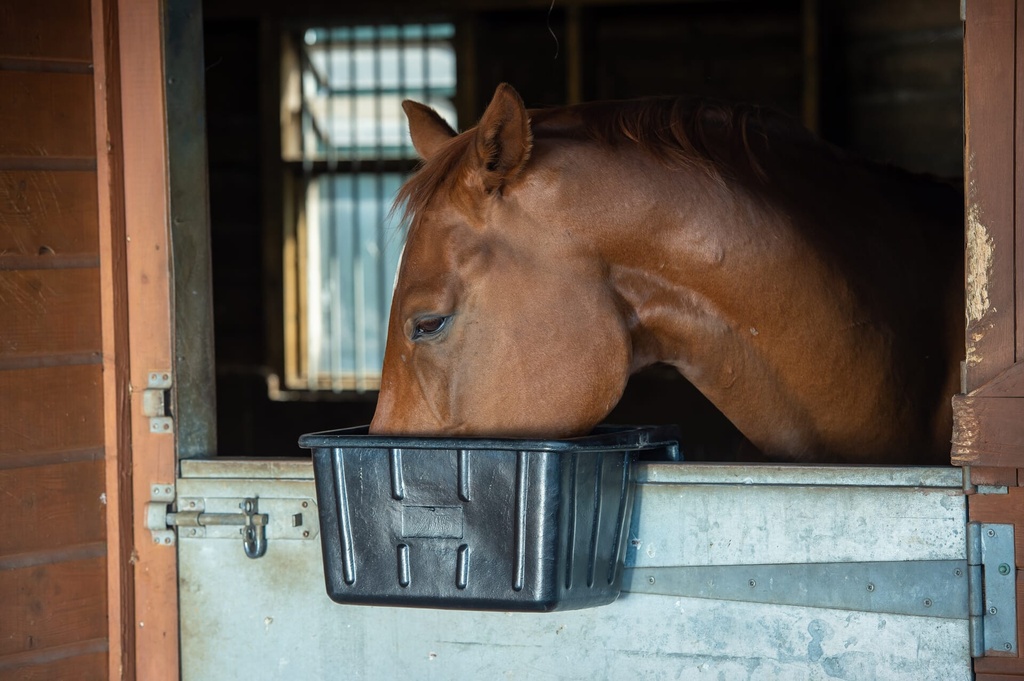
(814, 298)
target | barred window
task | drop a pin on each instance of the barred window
(346, 143)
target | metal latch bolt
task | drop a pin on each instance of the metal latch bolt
(194, 518)
(253, 524)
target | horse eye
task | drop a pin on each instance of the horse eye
(429, 326)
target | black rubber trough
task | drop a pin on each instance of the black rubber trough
(478, 524)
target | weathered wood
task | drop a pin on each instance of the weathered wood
(46, 115)
(52, 506)
(47, 212)
(86, 661)
(989, 46)
(54, 408)
(46, 29)
(52, 605)
(988, 431)
(49, 312)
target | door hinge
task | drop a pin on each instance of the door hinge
(216, 518)
(981, 589)
(992, 576)
(156, 402)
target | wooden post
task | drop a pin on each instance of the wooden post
(147, 241)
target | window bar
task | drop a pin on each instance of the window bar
(312, 367)
(425, 61)
(357, 274)
(382, 301)
(336, 342)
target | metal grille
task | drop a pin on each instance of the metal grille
(352, 155)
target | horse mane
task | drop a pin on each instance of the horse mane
(730, 144)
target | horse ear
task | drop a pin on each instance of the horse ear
(428, 130)
(503, 138)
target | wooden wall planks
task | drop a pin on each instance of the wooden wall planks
(52, 408)
(49, 312)
(52, 605)
(47, 115)
(46, 29)
(53, 565)
(59, 505)
(47, 212)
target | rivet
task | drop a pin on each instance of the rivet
(305, 504)
(167, 540)
(306, 533)
(191, 504)
(192, 532)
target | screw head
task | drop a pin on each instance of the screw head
(651, 579)
(1007, 646)
(167, 540)
(871, 587)
(1004, 569)
(927, 602)
(958, 572)
(752, 583)
(993, 610)
(305, 533)
(991, 533)
(305, 504)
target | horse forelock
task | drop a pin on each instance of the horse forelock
(441, 175)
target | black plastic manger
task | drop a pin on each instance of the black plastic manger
(482, 524)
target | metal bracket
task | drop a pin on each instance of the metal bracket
(993, 602)
(156, 402)
(937, 588)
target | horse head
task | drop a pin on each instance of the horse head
(502, 322)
